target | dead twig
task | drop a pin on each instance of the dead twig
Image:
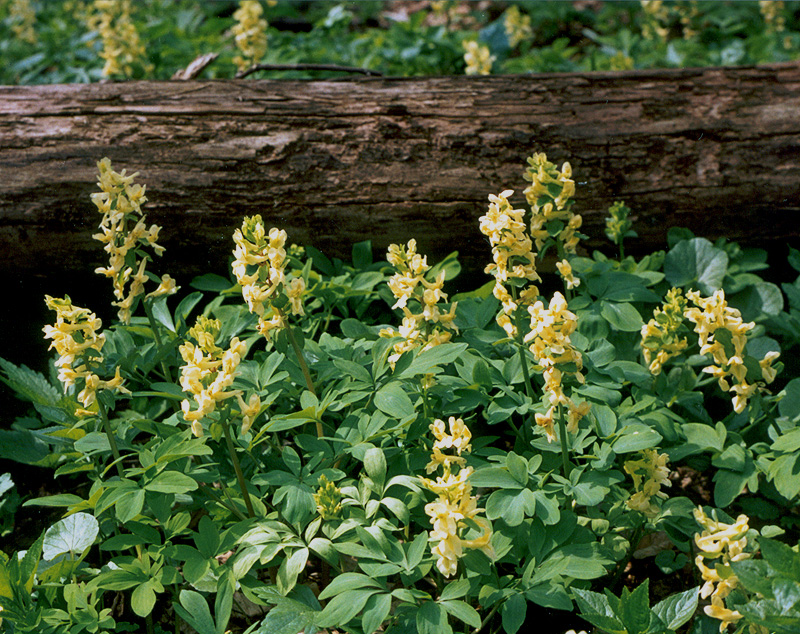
(331, 67)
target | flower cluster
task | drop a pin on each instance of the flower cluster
(772, 12)
(22, 17)
(123, 232)
(456, 508)
(517, 25)
(259, 266)
(250, 33)
(478, 58)
(551, 328)
(656, 17)
(78, 342)
(723, 543)
(122, 47)
(618, 225)
(513, 255)
(209, 372)
(328, 499)
(550, 197)
(723, 335)
(649, 474)
(661, 336)
(430, 326)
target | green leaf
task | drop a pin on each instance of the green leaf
(161, 313)
(194, 610)
(789, 405)
(129, 506)
(463, 612)
(23, 446)
(29, 385)
(376, 609)
(704, 436)
(426, 362)
(789, 442)
(455, 590)
(289, 617)
(143, 599)
(171, 482)
(696, 263)
(622, 317)
(635, 438)
(728, 485)
(347, 581)
(344, 607)
(362, 254)
(73, 535)
(592, 603)
(494, 478)
(375, 464)
(634, 610)
(211, 282)
(391, 399)
(61, 499)
(432, 619)
(517, 467)
(291, 567)
(513, 612)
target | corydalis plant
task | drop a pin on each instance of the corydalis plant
(427, 325)
(124, 235)
(456, 509)
(259, 266)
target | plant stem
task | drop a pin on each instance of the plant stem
(306, 373)
(110, 435)
(562, 432)
(488, 617)
(222, 502)
(148, 310)
(637, 535)
(527, 429)
(236, 466)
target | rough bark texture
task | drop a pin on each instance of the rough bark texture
(336, 162)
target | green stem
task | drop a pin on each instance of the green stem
(148, 310)
(149, 623)
(205, 489)
(637, 535)
(562, 432)
(488, 618)
(306, 373)
(236, 466)
(110, 435)
(621, 251)
(527, 429)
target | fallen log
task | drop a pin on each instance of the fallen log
(336, 162)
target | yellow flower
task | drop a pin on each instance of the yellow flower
(122, 47)
(513, 256)
(208, 373)
(455, 505)
(711, 314)
(565, 269)
(22, 17)
(649, 474)
(78, 343)
(517, 26)
(249, 411)
(123, 232)
(250, 33)
(478, 58)
(328, 499)
(661, 334)
(430, 326)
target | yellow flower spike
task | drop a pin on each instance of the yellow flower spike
(249, 411)
(455, 508)
(711, 314)
(328, 499)
(250, 33)
(122, 48)
(478, 58)
(22, 17)
(517, 26)
(429, 327)
(649, 474)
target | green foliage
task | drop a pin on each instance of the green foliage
(318, 510)
(373, 35)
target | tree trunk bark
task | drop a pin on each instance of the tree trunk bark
(337, 162)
